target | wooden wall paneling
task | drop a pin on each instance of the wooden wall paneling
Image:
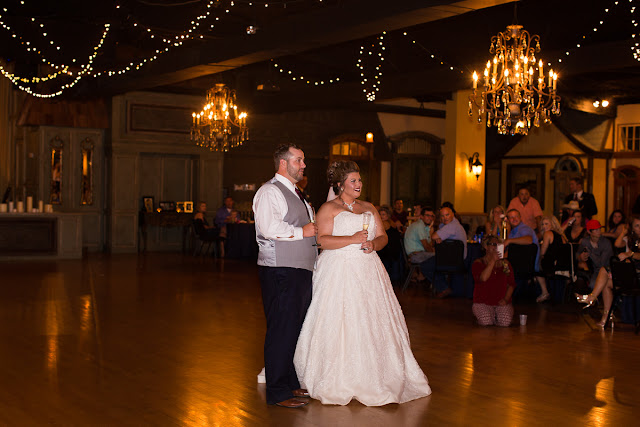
(124, 203)
(69, 236)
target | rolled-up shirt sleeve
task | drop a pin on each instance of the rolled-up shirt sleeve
(270, 208)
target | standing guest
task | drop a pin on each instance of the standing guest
(574, 230)
(449, 229)
(391, 254)
(399, 214)
(286, 259)
(552, 241)
(417, 238)
(223, 213)
(497, 222)
(616, 224)
(528, 207)
(493, 286)
(585, 200)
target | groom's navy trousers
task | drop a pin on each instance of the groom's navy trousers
(286, 295)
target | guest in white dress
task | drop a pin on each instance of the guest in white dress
(354, 342)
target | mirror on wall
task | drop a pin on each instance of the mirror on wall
(55, 195)
(86, 197)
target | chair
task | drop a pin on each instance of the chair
(625, 283)
(563, 270)
(523, 261)
(450, 256)
(412, 267)
(450, 263)
(202, 238)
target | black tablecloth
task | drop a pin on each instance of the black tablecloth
(241, 241)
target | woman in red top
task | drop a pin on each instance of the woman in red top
(493, 286)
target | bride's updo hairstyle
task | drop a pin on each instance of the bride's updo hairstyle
(338, 171)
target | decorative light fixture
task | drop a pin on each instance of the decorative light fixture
(516, 93)
(369, 137)
(475, 166)
(219, 126)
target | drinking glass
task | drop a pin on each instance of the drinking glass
(366, 220)
(313, 220)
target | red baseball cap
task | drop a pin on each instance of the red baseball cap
(593, 224)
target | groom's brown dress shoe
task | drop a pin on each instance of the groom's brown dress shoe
(293, 403)
(301, 392)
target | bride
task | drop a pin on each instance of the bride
(354, 343)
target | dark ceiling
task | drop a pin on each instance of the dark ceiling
(321, 40)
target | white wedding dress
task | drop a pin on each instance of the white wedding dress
(354, 343)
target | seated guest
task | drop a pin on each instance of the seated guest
(602, 283)
(528, 208)
(399, 214)
(574, 231)
(595, 248)
(616, 224)
(455, 214)
(493, 286)
(415, 214)
(234, 218)
(389, 222)
(449, 229)
(552, 241)
(417, 238)
(223, 213)
(201, 225)
(391, 254)
(567, 212)
(522, 234)
(497, 221)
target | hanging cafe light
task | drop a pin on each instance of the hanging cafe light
(515, 92)
(219, 126)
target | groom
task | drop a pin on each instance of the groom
(286, 259)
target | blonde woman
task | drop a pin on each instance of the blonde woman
(496, 221)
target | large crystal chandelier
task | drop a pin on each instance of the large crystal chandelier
(219, 126)
(516, 93)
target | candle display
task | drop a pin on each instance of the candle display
(40, 206)
(3, 207)
(20, 206)
(29, 207)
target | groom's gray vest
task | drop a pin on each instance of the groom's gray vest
(284, 252)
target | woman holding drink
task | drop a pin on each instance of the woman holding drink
(354, 343)
(494, 285)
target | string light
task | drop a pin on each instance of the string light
(300, 78)
(371, 84)
(433, 56)
(85, 69)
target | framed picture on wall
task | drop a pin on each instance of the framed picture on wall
(188, 207)
(147, 202)
(529, 175)
(167, 206)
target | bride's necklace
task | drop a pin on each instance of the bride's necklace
(349, 206)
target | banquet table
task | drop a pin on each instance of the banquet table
(241, 241)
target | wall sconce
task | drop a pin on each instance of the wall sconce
(369, 137)
(475, 165)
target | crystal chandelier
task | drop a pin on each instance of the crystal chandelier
(516, 92)
(219, 126)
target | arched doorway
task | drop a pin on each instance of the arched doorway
(626, 187)
(355, 148)
(417, 166)
(566, 167)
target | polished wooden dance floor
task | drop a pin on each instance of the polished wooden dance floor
(172, 340)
